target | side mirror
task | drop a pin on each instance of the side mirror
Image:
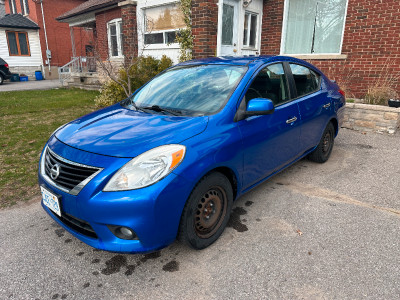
(259, 106)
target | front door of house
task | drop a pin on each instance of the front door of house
(229, 36)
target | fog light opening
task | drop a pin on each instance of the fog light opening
(123, 232)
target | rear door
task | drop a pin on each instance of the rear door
(270, 141)
(313, 101)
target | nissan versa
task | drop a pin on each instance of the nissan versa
(169, 161)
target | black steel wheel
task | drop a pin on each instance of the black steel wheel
(206, 212)
(324, 149)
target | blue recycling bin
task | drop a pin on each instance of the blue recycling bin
(38, 75)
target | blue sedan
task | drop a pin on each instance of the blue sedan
(169, 161)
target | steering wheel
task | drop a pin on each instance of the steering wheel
(254, 91)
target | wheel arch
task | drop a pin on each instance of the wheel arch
(335, 124)
(228, 173)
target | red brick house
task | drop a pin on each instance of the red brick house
(48, 44)
(354, 42)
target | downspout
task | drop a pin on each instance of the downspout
(45, 37)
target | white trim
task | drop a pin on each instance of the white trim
(81, 20)
(310, 55)
(219, 27)
(344, 25)
(115, 22)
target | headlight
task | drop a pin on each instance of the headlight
(147, 168)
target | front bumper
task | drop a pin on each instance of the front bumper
(153, 212)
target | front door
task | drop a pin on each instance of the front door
(229, 36)
(270, 142)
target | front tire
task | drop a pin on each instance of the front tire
(323, 151)
(206, 212)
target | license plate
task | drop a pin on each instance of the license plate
(51, 201)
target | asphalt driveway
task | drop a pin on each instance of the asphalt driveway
(9, 86)
(328, 231)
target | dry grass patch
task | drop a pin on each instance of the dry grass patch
(27, 120)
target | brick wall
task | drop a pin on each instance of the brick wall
(129, 28)
(58, 34)
(371, 43)
(102, 19)
(204, 27)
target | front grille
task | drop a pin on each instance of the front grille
(76, 224)
(66, 175)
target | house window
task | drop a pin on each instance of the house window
(13, 6)
(114, 30)
(162, 24)
(250, 29)
(314, 26)
(24, 7)
(18, 44)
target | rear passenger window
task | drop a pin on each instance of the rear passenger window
(306, 80)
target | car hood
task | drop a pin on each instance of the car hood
(120, 132)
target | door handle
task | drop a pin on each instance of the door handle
(289, 121)
(326, 105)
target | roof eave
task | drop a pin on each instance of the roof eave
(89, 10)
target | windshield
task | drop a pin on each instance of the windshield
(201, 89)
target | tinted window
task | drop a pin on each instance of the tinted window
(269, 83)
(306, 80)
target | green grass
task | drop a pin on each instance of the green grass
(27, 120)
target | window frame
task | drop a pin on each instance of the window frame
(13, 6)
(24, 7)
(292, 82)
(248, 46)
(164, 45)
(288, 82)
(120, 45)
(17, 41)
(284, 31)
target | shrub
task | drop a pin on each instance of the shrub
(379, 95)
(383, 88)
(140, 70)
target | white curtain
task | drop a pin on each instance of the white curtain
(314, 26)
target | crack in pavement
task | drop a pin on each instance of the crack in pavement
(313, 191)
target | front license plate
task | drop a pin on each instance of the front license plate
(51, 201)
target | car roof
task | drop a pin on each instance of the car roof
(240, 60)
(247, 60)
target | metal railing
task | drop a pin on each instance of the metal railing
(79, 64)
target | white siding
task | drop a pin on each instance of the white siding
(34, 60)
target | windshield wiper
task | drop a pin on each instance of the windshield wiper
(137, 107)
(162, 109)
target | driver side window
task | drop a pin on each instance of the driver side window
(269, 83)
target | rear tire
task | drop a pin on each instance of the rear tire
(1, 79)
(206, 212)
(323, 151)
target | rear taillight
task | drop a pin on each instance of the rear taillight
(342, 92)
(6, 65)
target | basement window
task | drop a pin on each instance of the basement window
(314, 27)
(162, 23)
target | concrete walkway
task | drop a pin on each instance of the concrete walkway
(9, 86)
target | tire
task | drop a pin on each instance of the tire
(206, 212)
(323, 151)
(1, 79)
